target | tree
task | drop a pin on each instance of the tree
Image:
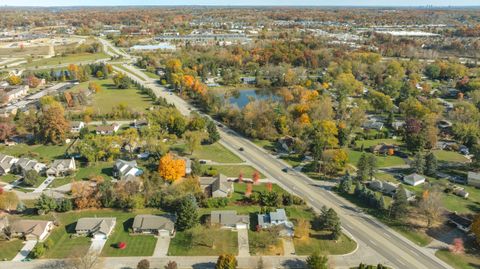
(143, 264)
(399, 206)
(6, 130)
(431, 165)
(187, 213)
(170, 168)
(31, 177)
(363, 166)
(226, 261)
(193, 140)
(457, 247)
(249, 189)
(45, 204)
(315, 261)
(430, 205)
(52, 124)
(302, 229)
(14, 80)
(256, 177)
(89, 260)
(476, 228)
(213, 134)
(419, 163)
(38, 251)
(121, 81)
(94, 87)
(33, 81)
(171, 265)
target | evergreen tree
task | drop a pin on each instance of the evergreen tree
(372, 166)
(315, 261)
(187, 214)
(400, 203)
(419, 163)
(431, 164)
(45, 204)
(363, 167)
(213, 134)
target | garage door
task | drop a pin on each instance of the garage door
(163, 233)
(99, 236)
(241, 226)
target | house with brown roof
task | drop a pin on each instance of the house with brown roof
(152, 224)
(107, 129)
(229, 219)
(215, 187)
(31, 229)
(98, 228)
(62, 167)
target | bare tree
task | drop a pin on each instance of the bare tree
(430, 205)
(88, 261)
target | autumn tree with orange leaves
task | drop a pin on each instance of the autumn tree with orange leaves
(84, 195)
(171, 168)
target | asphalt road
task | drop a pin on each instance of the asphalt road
(377, 242)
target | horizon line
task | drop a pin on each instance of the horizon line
(239, 5)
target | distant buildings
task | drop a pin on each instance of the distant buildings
(107, 129)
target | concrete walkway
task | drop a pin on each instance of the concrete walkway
(243, 247)
(97, 245)
(161, 248)
(26, 249)
(44, 185)
(288, 247)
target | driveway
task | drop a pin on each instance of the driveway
(243, 248)
(26, 249)
(44, 185)
(288, 247)
(97, 245)
(161, 248)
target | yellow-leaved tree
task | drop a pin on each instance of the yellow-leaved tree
(171, 168)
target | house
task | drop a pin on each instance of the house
(98, 228)
(229, 219)
(462, 223)
(218, 186)
(126, 170)
(473, 179)
(248, 80)
(385, 187)
(62, 167)
(107, 129)
(444, 124)
(137, 124)
(414, 179)
(76, 126)
(372, 124)
(13, 93)
(383, 148)
(6, 163)
(286, 143)
(276, 218)
(24, 165)
(151, 224)
(31, 229)
(397, 125)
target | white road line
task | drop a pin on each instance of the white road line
(372, 242)
(387, 235)
(400, 262)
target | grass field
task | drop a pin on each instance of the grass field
(234, 170)
(261, 243)
(8, 249)
(103, 169)
(219, 241)
(321, 242)
(128, 71)
(41, 153)
(449, 156)
(73, 58)
(368, 143)
(214, 152)
(459, 261)
(382, 161)
(8, 178)
(137, 245)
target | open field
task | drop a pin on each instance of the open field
(382, 161)
(72, 58)
(214, 152)
(464, 261)
(449, 156)
(202, 241)
(234, 170)
(321, 242)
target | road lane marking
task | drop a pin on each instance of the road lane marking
(400, 262)
(372, 242)
(387, 235)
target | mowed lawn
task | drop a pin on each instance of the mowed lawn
(73, 58)
(214, 152)
(220, 241)
(9, 249)
(382, 161)
(234, 170)
(41, 153)
(110, 96)
(463, 261)
(320, 241)
(103, 169)
(137, 245)
(369, 143)
(449, 156)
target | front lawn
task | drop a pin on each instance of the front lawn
(214, 152)
(203, 241)
(9, 249)
(234, 170)
(449, 156)
(463, 261)
(137, 245)
(263, 243)
(369, 143)
(240, 189)
(382, 161)
(320, 241)
(103, 169)
(8, 178)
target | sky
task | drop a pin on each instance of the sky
(243, 2)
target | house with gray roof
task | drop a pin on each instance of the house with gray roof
(126, 170)
(31, 229)
(6, 163)
(276, 218)
(215, 187)
(98, 228)
(24, 165)
(152, 224)
(414, 179)
(473, 179)
(61, 167)
(229, 219)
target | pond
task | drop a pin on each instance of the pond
(242, 97)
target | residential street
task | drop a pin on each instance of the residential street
(377, 242)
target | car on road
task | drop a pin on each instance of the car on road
(285, 169)
(202, 161)
(241, 149)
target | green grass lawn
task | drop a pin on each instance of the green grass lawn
(320, 241)
(65, 244)
(265, 144)
(293, 159)
(464, 261)
(262, 243)
(382, 161)
(234, 170)
(151, 75)
(41, 153)
(72, 58)
(8, 178)
(369, 143)
(129, 72)
(9, 249)
(204, 242)
(214, 152)
(240, 189)
(110, 97)
(103, 169)
(449, 156)
(137, 245)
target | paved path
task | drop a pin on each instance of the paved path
(26, 249)
(97, 245)
(243, 247)
(161, 248)
(44, 185)
(288, 247)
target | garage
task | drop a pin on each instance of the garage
(163, 233)
(241, 226)
(99, 236)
